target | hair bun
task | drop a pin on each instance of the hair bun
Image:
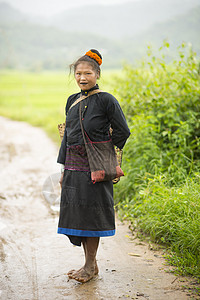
(94, 54)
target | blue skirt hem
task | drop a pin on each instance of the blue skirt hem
(86, 233)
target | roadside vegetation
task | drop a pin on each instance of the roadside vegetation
(160, 194)
(161, 189)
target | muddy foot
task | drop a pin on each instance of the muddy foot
(73, 274)
(84, 275)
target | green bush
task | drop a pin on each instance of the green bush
(165, 100)
(162, 157)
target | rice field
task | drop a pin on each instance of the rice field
(40, 98)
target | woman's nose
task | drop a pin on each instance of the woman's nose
(82, 77)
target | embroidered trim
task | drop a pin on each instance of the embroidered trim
(86, 233)
(75, 169)
(76, 158)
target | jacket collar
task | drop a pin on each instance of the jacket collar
(85, 93)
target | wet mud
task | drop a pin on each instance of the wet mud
(35, 259)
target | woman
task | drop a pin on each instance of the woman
(86, 209)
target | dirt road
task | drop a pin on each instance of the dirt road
(35, 259)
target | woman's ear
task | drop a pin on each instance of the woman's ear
(98, 75)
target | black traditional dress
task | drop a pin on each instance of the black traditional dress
(87, 209)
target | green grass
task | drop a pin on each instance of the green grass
(170, 215)
(160, 192)
(40, 98)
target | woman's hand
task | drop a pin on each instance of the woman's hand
(61, 179)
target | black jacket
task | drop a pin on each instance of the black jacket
(99, 112)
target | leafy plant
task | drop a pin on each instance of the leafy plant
(160, 192)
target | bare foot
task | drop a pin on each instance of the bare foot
(73, 274)
(84, 275)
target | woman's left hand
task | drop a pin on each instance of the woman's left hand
(61, 179)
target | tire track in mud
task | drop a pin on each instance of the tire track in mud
(23, 259)
(34, 274)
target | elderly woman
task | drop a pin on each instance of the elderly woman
(87, 209)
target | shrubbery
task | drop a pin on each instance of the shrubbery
(162, 157)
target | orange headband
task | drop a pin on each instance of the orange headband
(94, 56)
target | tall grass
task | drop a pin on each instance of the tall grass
(160, 192)
(169, 215)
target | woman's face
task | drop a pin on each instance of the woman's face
(86, 77)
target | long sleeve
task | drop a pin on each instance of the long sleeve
(62, 151)
(118, 122)
(101, 111)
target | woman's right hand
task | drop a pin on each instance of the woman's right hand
(61, 178)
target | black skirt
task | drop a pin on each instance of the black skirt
(86, 209)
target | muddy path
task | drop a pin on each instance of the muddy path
(35, 259)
